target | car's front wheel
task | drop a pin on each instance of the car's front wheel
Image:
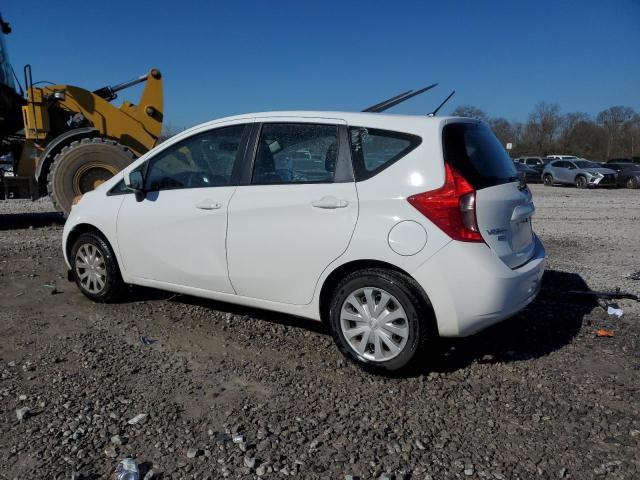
(632, 182)
(95, 268)
(581, 181)
(547, 179)
(379, 320)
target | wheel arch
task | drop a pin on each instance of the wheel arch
(53, 148)
(78, 230)
(341, 271)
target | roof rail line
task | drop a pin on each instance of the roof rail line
(393, 101)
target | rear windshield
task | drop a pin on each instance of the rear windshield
(474, 151)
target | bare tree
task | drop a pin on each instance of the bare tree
(503, 130)
(471, 112)
(616, 121)
(543, 126)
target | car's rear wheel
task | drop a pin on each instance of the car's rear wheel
(547, 179)
(95, 268)
(378, 320)
(632, 183)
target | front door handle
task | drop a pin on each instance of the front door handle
(330, 203)
(209, 205)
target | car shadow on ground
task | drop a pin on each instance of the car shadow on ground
(550, 322)
(20, 221)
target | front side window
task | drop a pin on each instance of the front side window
(203, 160)
(296, 153)
(373, 150)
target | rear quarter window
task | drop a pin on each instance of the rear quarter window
(473, 150)
(373, 150)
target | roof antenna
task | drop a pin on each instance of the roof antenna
(433, 114)
(393, 101)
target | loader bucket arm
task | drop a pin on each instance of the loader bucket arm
(149, 111)
(135, 126)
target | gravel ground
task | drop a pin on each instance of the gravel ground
(222, 391)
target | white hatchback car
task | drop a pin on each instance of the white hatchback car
(391, 229)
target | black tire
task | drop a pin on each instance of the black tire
(114, 288)
(81, 166)
(632, 183)
(547, 179)
(419, 317)
(581, 181)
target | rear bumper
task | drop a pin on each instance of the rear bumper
(470, 288)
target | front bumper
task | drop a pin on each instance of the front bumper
(470, 288)
(607, 180)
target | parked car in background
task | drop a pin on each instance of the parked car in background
(411, 227)
(537, 163)
(561, 157)
(635, 160)
(581, 173)
(528, 174)
(628, 174)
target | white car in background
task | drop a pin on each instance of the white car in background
(409, 227)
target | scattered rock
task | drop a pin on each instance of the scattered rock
(138, 419)
(194, 452)
(23, 413)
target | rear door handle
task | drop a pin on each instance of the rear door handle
(329, 203)
(209, 205)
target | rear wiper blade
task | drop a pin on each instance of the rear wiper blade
(393, 101)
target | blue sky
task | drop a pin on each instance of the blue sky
(223, 58)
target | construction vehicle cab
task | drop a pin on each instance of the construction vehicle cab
(66, 140)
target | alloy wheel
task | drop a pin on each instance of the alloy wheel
(90, 268)
(374, 324)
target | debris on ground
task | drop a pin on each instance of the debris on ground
(634, 275)
(617, 293)
(23, 413)
(603, 332)
(146, 340)
(614, 310)
(139, 418)
(127, 469)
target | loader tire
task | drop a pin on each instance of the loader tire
(83, 165)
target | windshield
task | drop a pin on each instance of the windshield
(6, 77)
(587, 164)
(473, 150)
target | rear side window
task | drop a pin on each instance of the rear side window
(473, 150)
(373, 150)
(296, 153)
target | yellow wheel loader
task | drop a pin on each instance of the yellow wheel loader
(64, 141)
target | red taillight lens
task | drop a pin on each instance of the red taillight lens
(451, 207)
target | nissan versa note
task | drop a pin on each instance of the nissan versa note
(391, 229)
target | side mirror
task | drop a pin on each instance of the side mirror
(134, 181)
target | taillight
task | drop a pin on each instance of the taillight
(451, 207)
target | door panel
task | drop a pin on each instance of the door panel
(279, 242)
(169, 237)
(292, 221)
(177, 233)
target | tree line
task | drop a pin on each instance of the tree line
(612, 133)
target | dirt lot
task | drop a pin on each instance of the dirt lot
(231, 392)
